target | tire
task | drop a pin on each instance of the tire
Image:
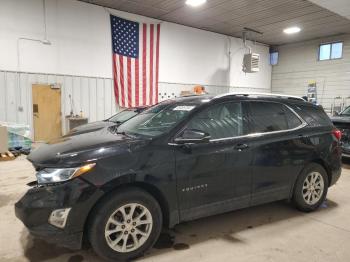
(311, 188)
(109, 227)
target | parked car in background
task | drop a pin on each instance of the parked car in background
(179, 160)
(342, 122)
(117, 119)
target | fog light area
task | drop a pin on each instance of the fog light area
(58, 217)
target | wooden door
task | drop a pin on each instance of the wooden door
(46, 112)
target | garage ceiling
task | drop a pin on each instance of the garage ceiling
(229, 17)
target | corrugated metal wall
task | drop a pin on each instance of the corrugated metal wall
(93, 96)
(298, 65)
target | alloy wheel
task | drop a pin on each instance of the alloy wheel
(313, 188)
(128, 227)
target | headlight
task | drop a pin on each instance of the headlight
(54, 175)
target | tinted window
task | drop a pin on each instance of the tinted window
(269, 117)
(313, 115)
(292, 120)
(219, 121)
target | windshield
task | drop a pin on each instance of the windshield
(123, 116)
(158, 119)
(346, 111)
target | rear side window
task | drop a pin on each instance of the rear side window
(292, 120)
(313, 115)
(220, 121)
(269, 117)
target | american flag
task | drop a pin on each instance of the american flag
(135, 62)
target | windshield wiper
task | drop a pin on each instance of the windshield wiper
(123, 133)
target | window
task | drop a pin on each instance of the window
(330, 51)
(274, 58)
(157, 119)
(122, 116)
(292, 120)
(313, 115)
(270, 117)
(219, 121)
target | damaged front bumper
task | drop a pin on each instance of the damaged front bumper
(36, 207)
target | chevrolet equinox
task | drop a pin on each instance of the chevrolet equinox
(179, 160)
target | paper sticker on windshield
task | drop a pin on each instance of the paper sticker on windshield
(183, 108)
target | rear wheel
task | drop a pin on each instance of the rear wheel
(125, 225)
(311, 188)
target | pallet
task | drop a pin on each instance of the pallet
(7, 156)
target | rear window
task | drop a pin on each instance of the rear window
(270, 117)
(313, 115)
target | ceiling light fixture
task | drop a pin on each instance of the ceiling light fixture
(292, 30)
(195, 3)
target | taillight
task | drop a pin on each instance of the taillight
(337, 134)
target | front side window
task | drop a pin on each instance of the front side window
(158, 119)
(269, 117)
(220, 121)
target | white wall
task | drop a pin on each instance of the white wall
(81, 47)
(298, 65)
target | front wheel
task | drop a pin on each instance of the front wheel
(125, 225)
(311, 188)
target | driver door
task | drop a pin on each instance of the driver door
(214, 176)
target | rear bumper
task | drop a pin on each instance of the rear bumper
(35, 207)
(335, 176)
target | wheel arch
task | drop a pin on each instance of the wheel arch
(150, 189)
(319, 161)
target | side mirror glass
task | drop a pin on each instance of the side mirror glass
(193, 136)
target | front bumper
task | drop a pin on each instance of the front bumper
(35, 207)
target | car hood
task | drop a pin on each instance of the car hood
(82, 148)
(90, 127)
(341, 119)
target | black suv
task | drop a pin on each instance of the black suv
(342, 122)
(179, 160)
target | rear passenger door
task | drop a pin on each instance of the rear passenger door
(278, 151)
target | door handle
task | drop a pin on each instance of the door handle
(240, 147)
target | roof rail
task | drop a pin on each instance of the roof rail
(260, 95)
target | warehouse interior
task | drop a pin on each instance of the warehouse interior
(57, 71)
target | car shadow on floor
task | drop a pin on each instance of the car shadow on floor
(346, 162)
(226, 227)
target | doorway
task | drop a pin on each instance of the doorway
(46, 112)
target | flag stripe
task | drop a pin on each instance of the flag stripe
(129, 93)
(137, 93)
(116, 89)
(151, 39)
(118, 79)
(125, 79)
(121, 77)
(144, 60)
(157, 62)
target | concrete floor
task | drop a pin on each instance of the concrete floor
(272, 232)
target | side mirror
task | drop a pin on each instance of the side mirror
(193, 136)
(336, 113)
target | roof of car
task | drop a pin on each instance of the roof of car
(264, 96)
